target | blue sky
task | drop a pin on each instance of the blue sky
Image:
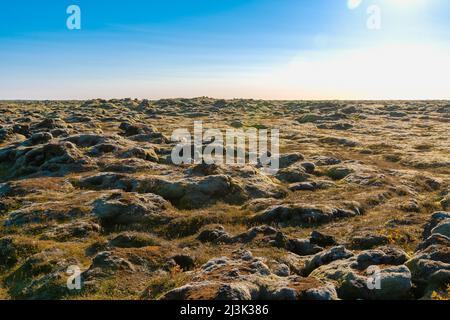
(279, 49)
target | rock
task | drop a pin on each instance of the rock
(321, 239)
(132, 240)
(326, 161)
(129, 129)
(340, 141)
(309, 167)
(236, 124)
(410, 206)
(442, 228)
(434, 239)
(186, 262)
(433, 183)
(435, 219)
(338, 173)
(103, 148)
(252, 233)
(311, 186)
(130, 165)
(438, 281)
(7, 135)
(349, 110)
(309, 118)
(59, 133)
(219, 186)
(325, 293)
(325, 257)
(430, 264)
(368, 241)
(140, 153)
(286, 160)
(70, 231)
(216, 235)
(302, 247)
(49, 124)
(155, 137)
(205, 169)
(39, 138)
(282, 270)
(106, 181)
(210, 290)
(247, 278)
(299, 214)
(89, 140)
(106, 263)
(335, 126)
(302, 186)
(22, 129)
(263, 233)
(386, 255)
(131, 208)
(428, 261)
(51, 159)
(292, 174)
(195, 193)
(398, 114)
(373, 283)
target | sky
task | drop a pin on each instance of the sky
(262, 49)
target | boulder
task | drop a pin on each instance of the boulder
(373, 283)
(49, 124)
(430, 265)
(321, 239)
(184, 261)
(287, 160)
(78, 230)
(215, 235)
(302, 214)
(386, 255)
(292, 174)
(106, 181)
(339, 172)
(54, 159)
(443, 228)
(367, 241)
(107, 263)
(132, 129)
(132, 240)
(120, 208)
(326, 257)
(195, 192)
(435, 219)
(244, 277)
(140, 153)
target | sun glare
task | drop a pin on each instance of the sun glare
(353, 4)
(405, 3)
(395, 71)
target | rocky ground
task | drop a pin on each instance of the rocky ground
(91, 184)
